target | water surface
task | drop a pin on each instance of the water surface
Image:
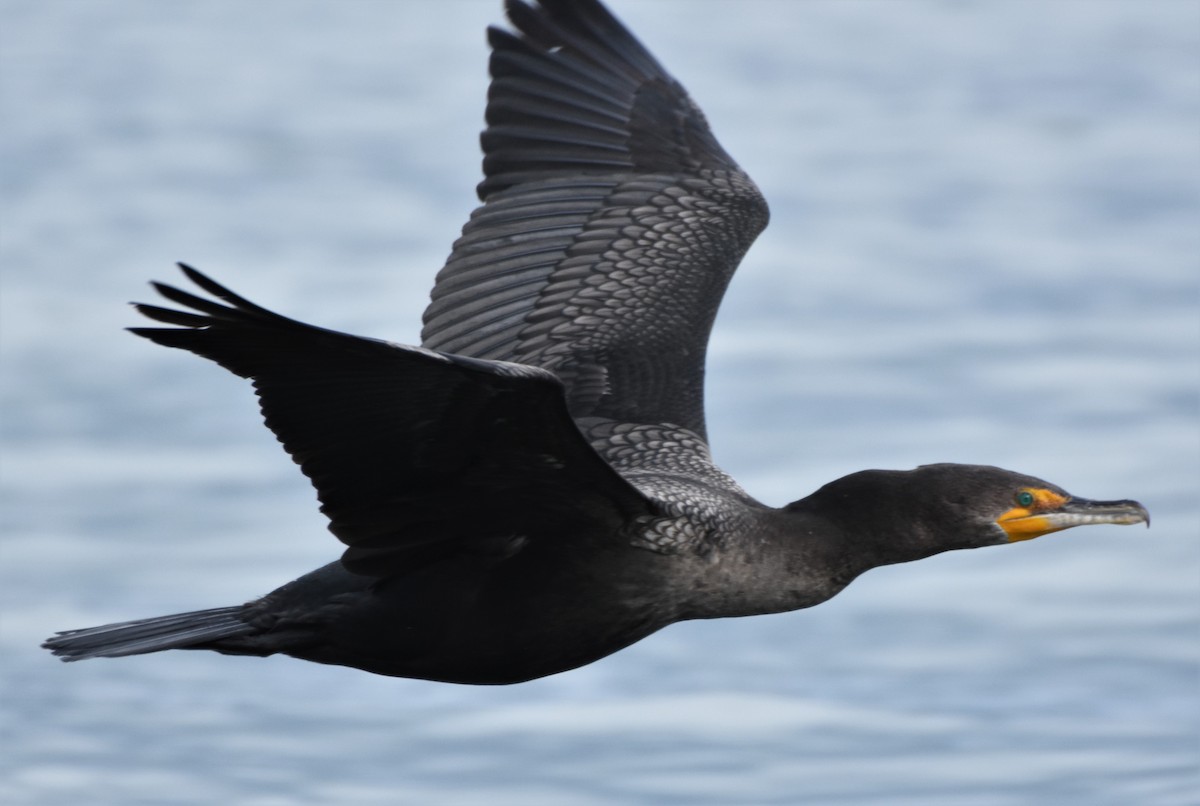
(983, 250)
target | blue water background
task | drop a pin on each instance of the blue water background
(985, 241)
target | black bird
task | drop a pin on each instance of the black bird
(531, 489)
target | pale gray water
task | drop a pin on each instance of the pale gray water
(984, 249)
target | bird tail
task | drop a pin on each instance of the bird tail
(178, 631)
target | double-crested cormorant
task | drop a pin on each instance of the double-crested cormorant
(531, 489)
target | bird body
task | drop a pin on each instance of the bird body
(531, 489)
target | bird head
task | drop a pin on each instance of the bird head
(902, 515)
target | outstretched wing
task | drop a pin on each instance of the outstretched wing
(413, 453)
(612, 222)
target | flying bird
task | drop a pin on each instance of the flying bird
(531, 489)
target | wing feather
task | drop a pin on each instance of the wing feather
(611, 224)
(413, 453)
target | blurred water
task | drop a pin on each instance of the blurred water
(984, 249)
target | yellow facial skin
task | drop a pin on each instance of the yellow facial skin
(1039, 511)
(1025, 523)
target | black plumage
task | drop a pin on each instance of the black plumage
(531, 489)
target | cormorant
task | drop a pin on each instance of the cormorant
(531, 489)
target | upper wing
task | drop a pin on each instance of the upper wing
(612, 222)
(412, 453)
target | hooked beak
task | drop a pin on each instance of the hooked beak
(1055, 513)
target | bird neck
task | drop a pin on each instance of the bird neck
(785, 561)
(805, 555)
(847, 539)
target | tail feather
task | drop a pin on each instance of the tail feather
(177, 631)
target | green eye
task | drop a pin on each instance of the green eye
(1025, 498)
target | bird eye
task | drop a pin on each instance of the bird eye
(1025, 498)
